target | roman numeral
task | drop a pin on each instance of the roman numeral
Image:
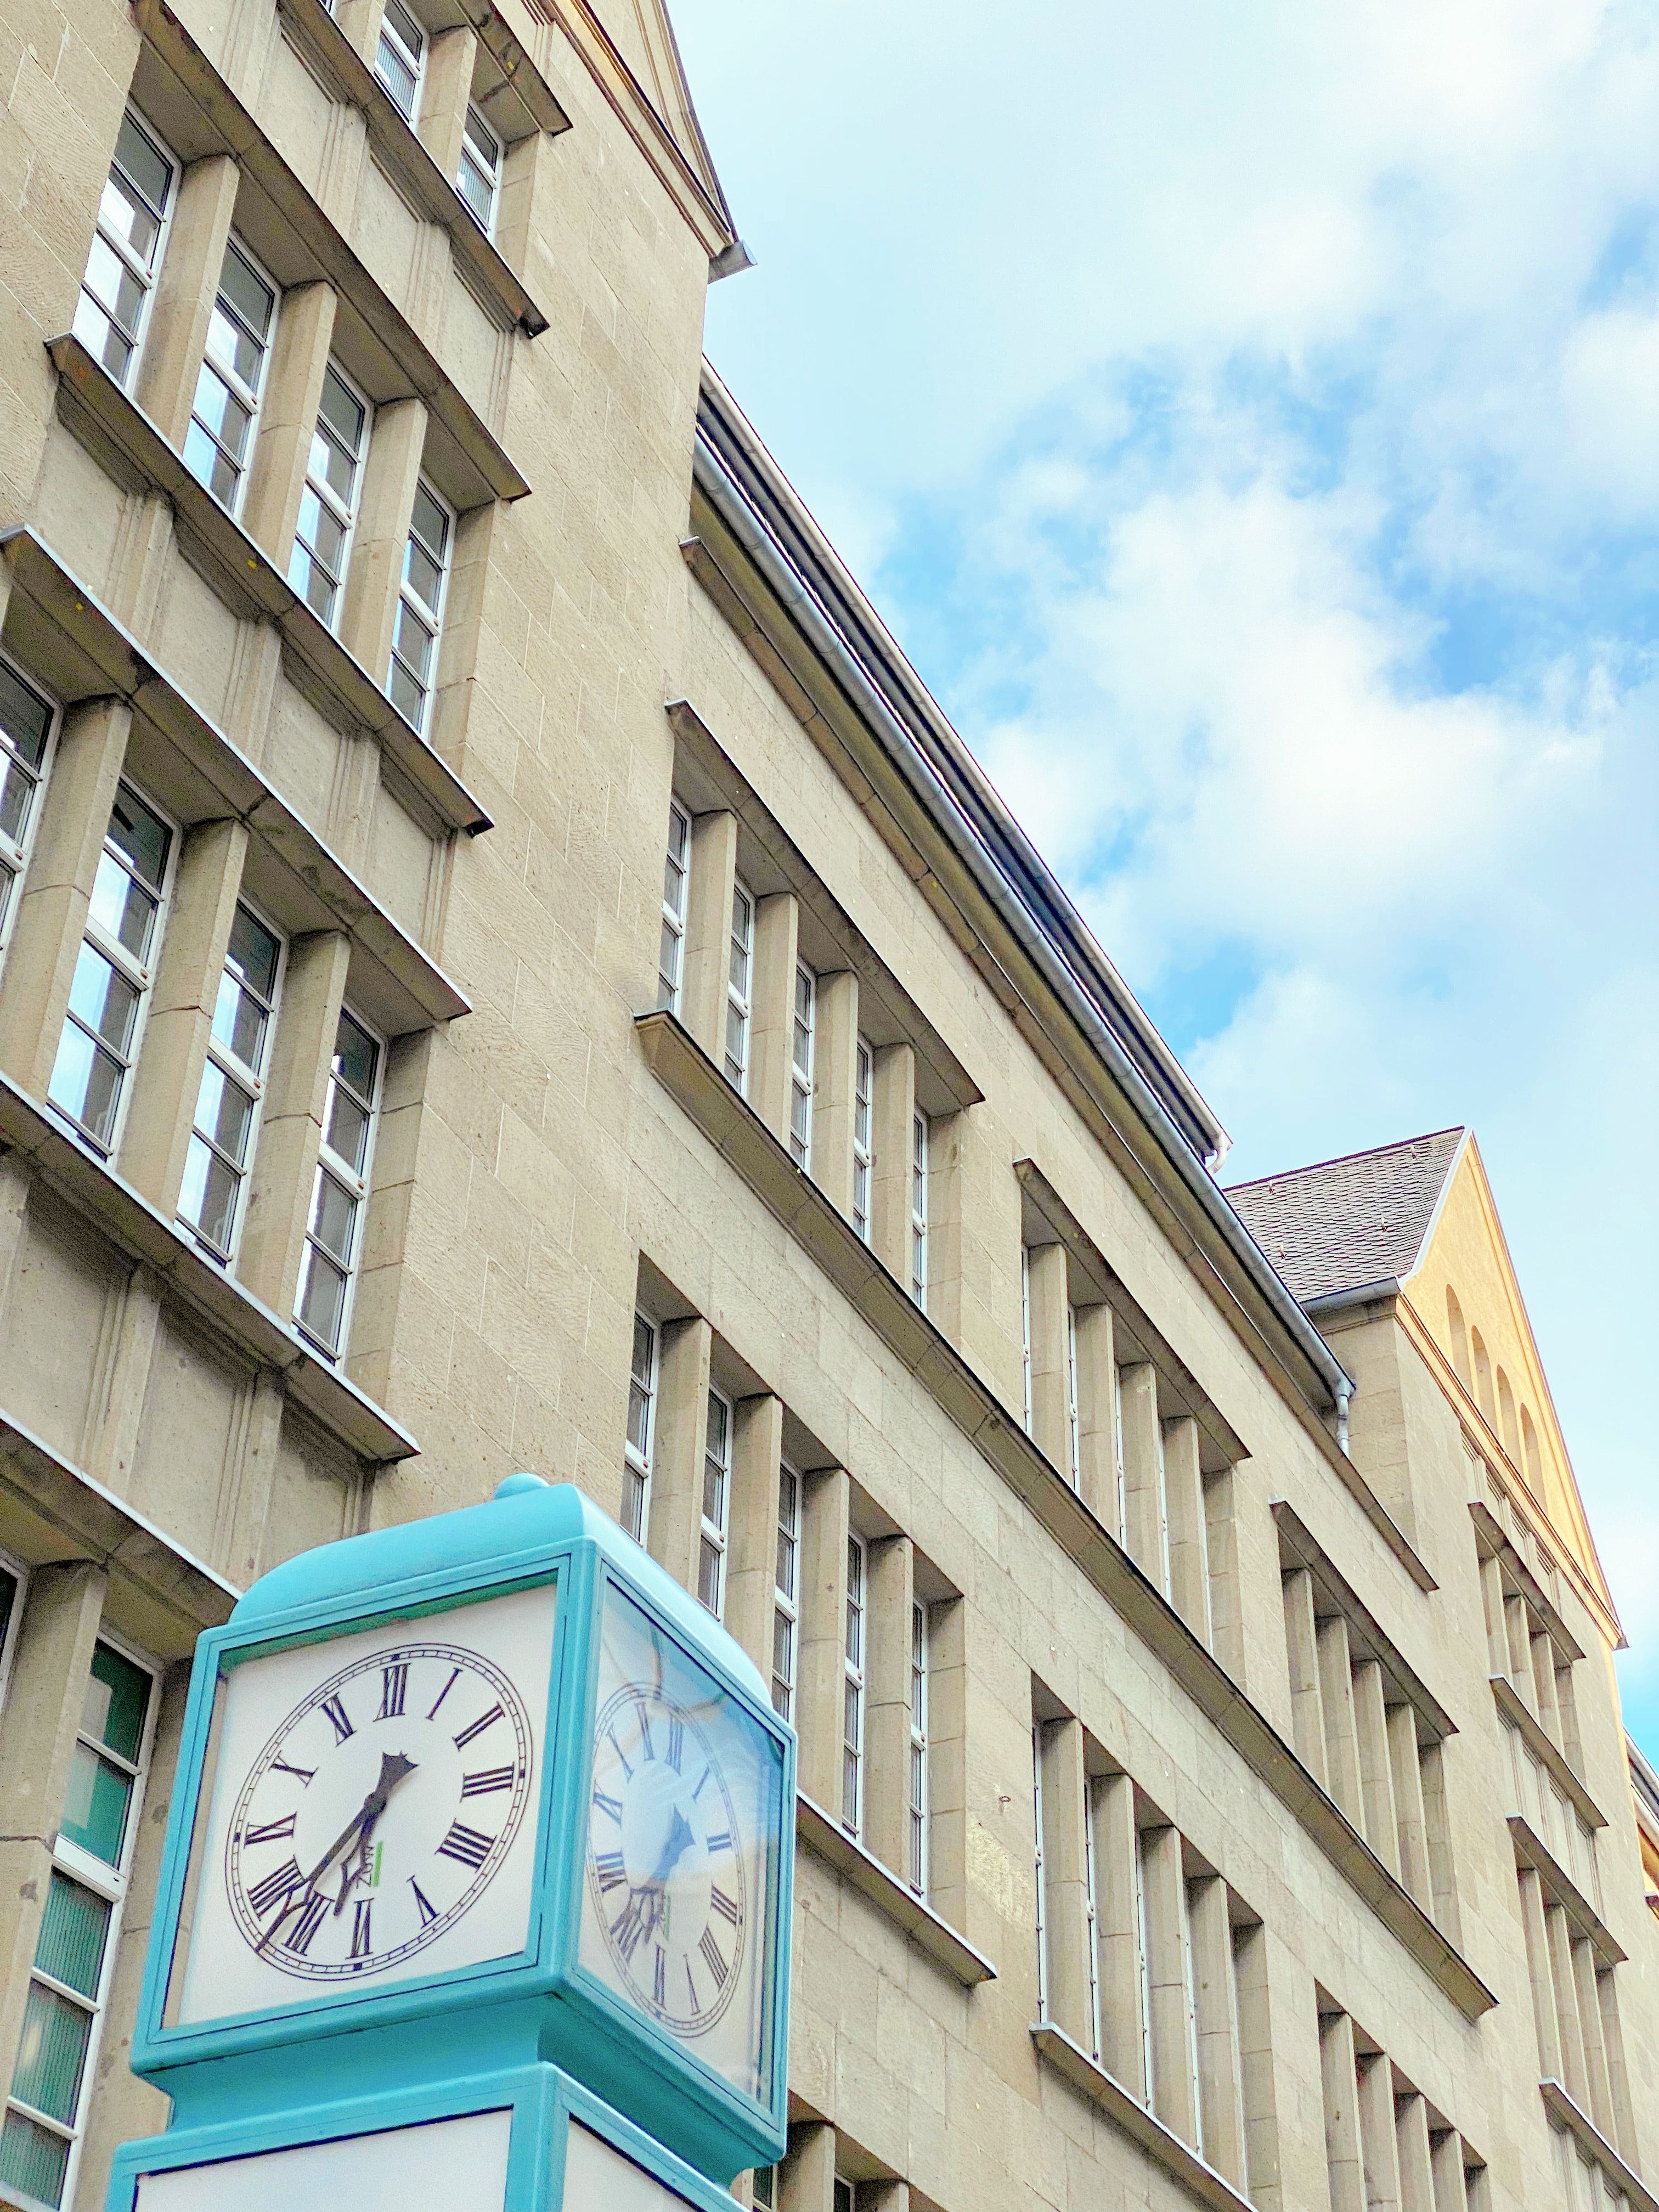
(644, 1720)
(465, 1845)
(675, 1744)
(722, 1842)
(478, 1727)
(627, 1927)
(361, 1944)
(697, 1792)
(310, 1920)
(659, 1978)
(282, 1882)
(712, 1959)
(611, 1805)
(486, 1780)
(611, 1738)
(455, 1676)
(270, 1831)
(727, 1911)
(425, 1909)
(394, 1685)
(303, 1775)
(608, 1865)
(338, 1721)
(697, 2002)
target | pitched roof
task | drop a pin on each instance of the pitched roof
(1342, 1224)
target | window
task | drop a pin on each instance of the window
(68, 1984)
(863, 1131)
(26, 724)
(716, 1504)
(1025, 1331)
(478, 178)
(233, 1083)
(1042, 1873)
(114, 970)
(219, 442)
(14, 1581)
(737, 989)
(1144, 1966)
(334, 1235)
(400, 58)
(641, 1429)
(126, 250)
(763, 2187)
(919, 1748)
(328, 505)
(1073, 1425)
(919, 1209)
(676, 881)
(1092, 1916)
(785, 1612)
(800, 1069)
(852, 1752)
(421, 608)
(844, 2194)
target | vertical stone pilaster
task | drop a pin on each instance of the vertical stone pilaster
(1117, 1933)
(397, 443)
(1065, 1879)
(825, 1502)
(1173, 2090)
(708, 930)
(887, 1702)
(890, 1195)
(1302, 1644)
(752, 1545)
(1047, 1301)
(1097, 1414)
(1410, 1822)
(186, 289)
(806, 2179)
(685, 1349)
(1147, 1535)
(1221, 2086)
(1375, 1775)
(450, 56)
(1341, 1731)
(290, 1127)
(1339, 2076)
(288, 418)
(1183, 1493)
(835, 1072)
(1379, 2142)
(772, 1010)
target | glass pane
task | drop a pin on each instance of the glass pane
(645, 1346)
(140, 834)
(207, 1197)
(312, 580)
(422, 573)
(322, 1298)
(103, 999)
(73, 1930)
(145, 163)
(251, 296)
(224, 1112)
(342, 412)
(412, 642)
(116, 1700)
(333, 1212)
(708, 1576)
(218, 409)
(113, 284)
(122, 213)
(357, 1055)
(95, 1813)
(347, 1133)
(477, 189)
(783, 1630)
(25, 717)
(397, 77)
(122, 908)
(479, 135)
(405, 694)
(33, 2160)
(405, 27)
(101, 338)
(239, 1021)
(668, 967)
(253, 953)
(639, 1415)
(713, 1494)
(429, 523)
(86, 1083)
(51, 2053)
(336, 467)
(17, 789)
(207, 464)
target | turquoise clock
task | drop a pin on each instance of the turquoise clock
(484, 1793)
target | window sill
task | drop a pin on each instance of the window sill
(1560, 1888)
(1561, 2108)
(1074, 2064)
(400, 152)
(132, 1223)
(733, 1126)
(828, 1841)
(125, 442)
(1515, 1710)
(411, 991)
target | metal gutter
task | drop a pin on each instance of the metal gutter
(997, 874)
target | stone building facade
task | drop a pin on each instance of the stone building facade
(502, 963)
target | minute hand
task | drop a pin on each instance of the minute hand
(393, 1768)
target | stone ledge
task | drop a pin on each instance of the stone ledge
(1496, 1542)
(1515, 1709)
(1562, 2108)
(1560, 1888)
(133, 1224)
(1296, 1540)
(830, 1843)
(736, 1131)
(1141, 2125)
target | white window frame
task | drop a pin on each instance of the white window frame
(468, 158)
(864, 1156)
(670, 946)
(111, 1884)
(145, 275)
(1025, 1335)
(802, 1052)
(356, 1186)
(855, 1660)
(251, 1082)
(427, 618)
(922, 1133)
(1073, 1418)
(739, 995)
(346, 515)
(1091, 1913)
(14, 853)
(637, 1457)
(714, 1530)
(1119, 1470)
(415, 62)
(19, 1571)
(1041, 1874)
(918, 1793)
(785, 1593)
(1189, 1999)
(140, 974)
(252, 397)
(1143, 1963)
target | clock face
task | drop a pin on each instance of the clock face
(682, 1832)
(371, 1810)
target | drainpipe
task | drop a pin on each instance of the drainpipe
(1344, 1398)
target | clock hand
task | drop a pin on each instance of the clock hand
(393, 1768)
(679, 1836)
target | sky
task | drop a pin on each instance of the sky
(1248, 420)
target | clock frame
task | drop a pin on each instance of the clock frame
(540, 2002)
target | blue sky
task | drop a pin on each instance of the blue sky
(1249, 421)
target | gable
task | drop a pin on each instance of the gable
(643, 39)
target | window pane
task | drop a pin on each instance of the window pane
(247, 292)
(95, 1813)
(25, 717)
(430, 522)
(412, 642)
(708, 1576)
(252, 952)
(224, 1112)
(322, 1298)
(239, 1021)
(342, 412)
(204, 459)
(208, 1195)
(103, 999)
(333, 1213)
(348, 1128)
(406, 694)
(356, 1056)
(17, 789)
(86, 1083)
(116, 1700)
(143, 163)
(139, 833)
(120, 906)
(51, 2053)
(33, 2160)
(475, 188)
(73, 1930)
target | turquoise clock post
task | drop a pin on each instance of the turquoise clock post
(477, 1889)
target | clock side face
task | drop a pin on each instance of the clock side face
(682, 1834)
(458, 2162)
(370, 1810)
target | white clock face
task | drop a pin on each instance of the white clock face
(372, 1809)
(681, 1828)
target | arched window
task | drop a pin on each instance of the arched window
(1483, 1378)
(1506, 1427)
(1531, 1458)
(1460, 1338)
